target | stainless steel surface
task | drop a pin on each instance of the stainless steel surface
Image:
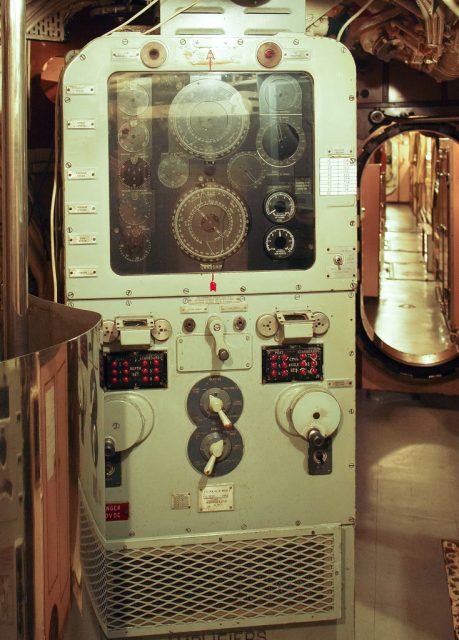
(43, 404)
(406, 321)
(14, 167)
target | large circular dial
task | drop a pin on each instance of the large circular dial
(245, 170)
(133, 101)
(210, 223)
(209, 118)
(280, 143)
(133, 136)
(281, 93)
(134, 172)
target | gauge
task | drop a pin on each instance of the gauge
(245, 170)
(209, 118)
(133, 136)
(210, 223)
(281, 92)
(134, 172)
(279, 243)
(173, 170)
(135, 245)
(133, 101)
(279, 207)
(280, 143)
(135, 209)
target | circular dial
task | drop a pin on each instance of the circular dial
(134, 172)
(279, 207)
(173, 170)
(135, 245)
(210, 223)
(133, 101)
(280, 143)
(279, 243)
(209, 118)
(133, 137)
(245, 170)
(281, 93)
(135, 209)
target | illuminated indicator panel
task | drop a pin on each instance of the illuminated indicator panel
(210, 172)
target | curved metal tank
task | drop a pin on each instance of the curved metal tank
(48, 415)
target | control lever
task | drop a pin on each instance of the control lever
(216, 405)
(215, 326)
(215, 450)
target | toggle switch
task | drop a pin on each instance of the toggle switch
(216, 451)
(216, 406)
(216, 328)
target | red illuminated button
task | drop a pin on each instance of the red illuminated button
(125, 363)
(273, 358)
(156, 362)
(314, 356)
(303, 363)
(302, 356)
(274, 365)
(144, 363)
(126, 372)
(284, 365)
(274, 374)
(313, 370)
(303, 372)
(114, 365)
(156, 370)
(156, 378)
(145, 379)
(114, 380)
(269, 53)
(285, 373)
(284, 356)
(144, 370)
(125, 379)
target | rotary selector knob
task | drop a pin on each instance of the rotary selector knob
(312, 413)
(129, 420)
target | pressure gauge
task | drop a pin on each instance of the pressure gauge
(173, 170)
(133, 136)
(210, 223)
(279, 207)
(135, 208)
(280, 143)
(209, 118)
(133, 101)
(279, 243)
(245, 170)
(134, 171)
(281, 93)
(135, 244)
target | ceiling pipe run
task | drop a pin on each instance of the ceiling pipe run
(14, 166)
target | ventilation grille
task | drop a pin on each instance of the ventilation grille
(51, 28)
(264, 580)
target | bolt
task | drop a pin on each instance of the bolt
(351, 412)
(297, 297)
(125, 41)
(69, 229)
(351, 294)
(243, 526)
(297, 523)
(296, 41)
(186, 292)
(352, 223)
(243, 289)
(351, 520)
(68, 165)
(352, 98)
(70, 304)
(116, 425)
(217, 327)
(82, 57)
(183, 41)
(352, 465)
(128, 303)
(240, 41)
(298, 287)
(129, 292)
(70, 294)
(188, 530)
(131, 533)
(351, 353)
(67, 99)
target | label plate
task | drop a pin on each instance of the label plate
(219, 497)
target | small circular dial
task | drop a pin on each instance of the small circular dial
(135, 209)
(279, 207)
(210, 223)
(173, 170)
(135, 245)
(245, 171)
(279, 243)
(133, 101)
(133, 137)
(281, 93)
(134, 171)
(280, 143)
(209, 118)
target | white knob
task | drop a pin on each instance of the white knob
(215, 450)
(216, 405)
(300, 411)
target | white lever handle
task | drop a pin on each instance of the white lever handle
(215, 450)
(216, 405)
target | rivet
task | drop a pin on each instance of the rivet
(125, 41)
(296, 41)
(67, 99)
(351, 353)
(351, 98)
(68, 165)
(129, 292)
(243, 289)
(82, 57)
(183, 41)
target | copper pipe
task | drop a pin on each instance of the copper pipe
(14, 191)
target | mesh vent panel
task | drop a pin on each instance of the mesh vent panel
(264, 580)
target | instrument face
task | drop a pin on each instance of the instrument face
(203, 157)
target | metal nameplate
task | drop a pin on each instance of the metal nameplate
(80, 89)
(344, 383)
(81, 207)
(85, 272)
(125, 54)
(82, 238)
(216, 498)
(81, 174)
(81, 124)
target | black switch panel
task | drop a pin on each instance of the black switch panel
(135, 370)
(293, 362)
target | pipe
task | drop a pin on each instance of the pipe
(14, 191)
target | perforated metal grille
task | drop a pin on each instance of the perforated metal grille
(257, 579)
(51, 28)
